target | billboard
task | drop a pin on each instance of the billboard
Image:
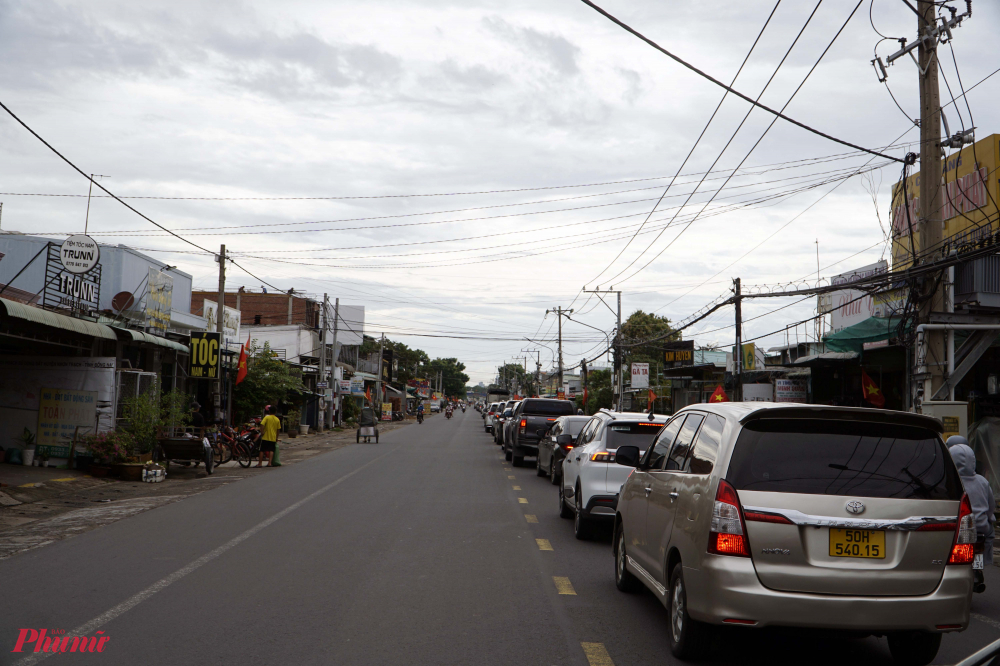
(230, 322)
(851, 306)
(159, 296)
(968, 207)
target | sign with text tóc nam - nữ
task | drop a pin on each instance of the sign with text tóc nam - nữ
(206, 355)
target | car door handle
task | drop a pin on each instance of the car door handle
(673, 495)
(648, 490)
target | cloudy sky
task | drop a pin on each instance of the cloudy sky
(458, 168)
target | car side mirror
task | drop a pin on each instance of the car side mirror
(627, 456)
(562, 440)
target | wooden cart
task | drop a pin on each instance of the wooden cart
(184, 449)
(367, 425)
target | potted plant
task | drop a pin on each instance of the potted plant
(112, 449)
(28, 439)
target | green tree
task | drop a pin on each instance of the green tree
(642, 326)
(598, 391)
(451, 369)
(511, 373)
(269, 381)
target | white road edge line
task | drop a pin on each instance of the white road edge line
(986, 620)
(161, 584)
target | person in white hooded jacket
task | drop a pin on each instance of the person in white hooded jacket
(980, 496)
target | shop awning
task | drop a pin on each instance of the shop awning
(141, 336)
(56, 320)
(814, 359)
(853, 338)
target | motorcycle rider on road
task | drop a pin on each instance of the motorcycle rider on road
(420, 413)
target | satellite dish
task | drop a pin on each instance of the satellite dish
(123, 300)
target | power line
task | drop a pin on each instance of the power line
(694, 146)
(745, 98)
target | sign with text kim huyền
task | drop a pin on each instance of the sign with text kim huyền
(206, 355)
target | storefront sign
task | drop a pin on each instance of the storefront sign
(205, 355)
(357, 385)
(758, 393)
(344, 386)
(679, 353)
(231, 319)
(878, 344)
(79, 254)
(967, 210)
(60, 413)
(386, 411)
(70, 290)
(790, 390)
(851, 306)
(640, 375)
(159, 296)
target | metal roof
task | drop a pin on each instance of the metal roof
(141, 336)
(56, 320)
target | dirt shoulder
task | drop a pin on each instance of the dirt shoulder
(42, 505)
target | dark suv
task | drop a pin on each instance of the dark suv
(531, 423)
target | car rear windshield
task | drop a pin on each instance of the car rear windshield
(631, 433)
(820, 457)
(539, 407)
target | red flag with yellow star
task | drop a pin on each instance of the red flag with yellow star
(871, 391)
(719, 395)
(241, 372)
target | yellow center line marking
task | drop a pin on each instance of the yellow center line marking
(68, 478)
(511, 476)
(596, 654)
(530, 518)
(522, 500)
(563, 586)
(517, 487)
(543, 544)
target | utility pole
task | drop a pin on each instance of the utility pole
(929, 229)
(378, 383)
(560, 313)
(738, 352)
(322, 366)
(538, 368)
(619, 376)
(333, 372)
(219, 316)
(583, 376)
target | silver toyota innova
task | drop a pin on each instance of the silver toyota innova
(762, 514)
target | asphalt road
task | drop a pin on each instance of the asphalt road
(416, 550)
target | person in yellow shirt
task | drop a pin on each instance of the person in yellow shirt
(269, 427)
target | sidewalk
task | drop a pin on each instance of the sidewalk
(40, 505)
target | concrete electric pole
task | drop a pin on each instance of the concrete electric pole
(219, 317)
(560, 313)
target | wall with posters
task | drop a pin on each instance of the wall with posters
(22, 380)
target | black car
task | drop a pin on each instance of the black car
(552, 449)
(530, 424)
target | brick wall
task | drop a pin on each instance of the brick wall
(264, 309)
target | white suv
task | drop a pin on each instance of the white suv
(591, 481)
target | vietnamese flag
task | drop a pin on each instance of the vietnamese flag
(241, 371)
(719, 395)
(652, 397)
(871, 392)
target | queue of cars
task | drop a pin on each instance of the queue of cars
(765, 514)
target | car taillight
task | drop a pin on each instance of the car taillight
(524, 422)
(603, 456)
(962, 550)
(727, 535)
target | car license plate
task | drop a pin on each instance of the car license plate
(857, 543)
(977, 561)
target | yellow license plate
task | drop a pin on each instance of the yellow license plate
(857, 543)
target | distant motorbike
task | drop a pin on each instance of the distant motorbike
(420, 417)
(448, 413)
(463, 409)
